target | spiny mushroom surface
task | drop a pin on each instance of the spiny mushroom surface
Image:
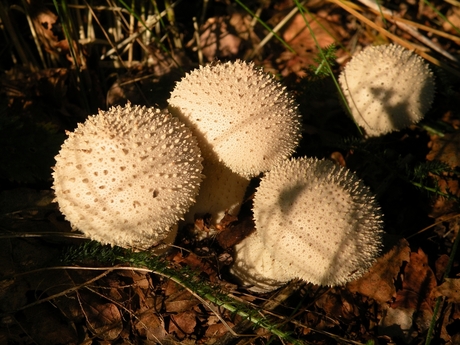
(387, 88)
(127, 175)
(240, 115)
(317, 220)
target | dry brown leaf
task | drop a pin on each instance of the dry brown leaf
(217, 330)
(450, 289)
(453, 20)
(178, 299)
(104, 319)
(338, 304)
(298, 36)
(225, 37)
(445, 149)
(150, 326)
(440, 266)
(49, 30)
(197, 264)
(418, 282)
(412, 309)
(378, 283)
(183, 324)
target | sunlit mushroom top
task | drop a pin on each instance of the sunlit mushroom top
(387, 88)
(240, 115)
(127, 175)
(316, 220)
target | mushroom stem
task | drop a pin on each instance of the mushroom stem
(222, 191)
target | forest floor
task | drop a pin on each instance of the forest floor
(411, 295)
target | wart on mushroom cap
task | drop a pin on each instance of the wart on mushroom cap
(315, 220)
(387, 88)
(240, 115)
(127, 175)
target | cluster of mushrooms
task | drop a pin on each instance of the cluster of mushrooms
(126, 176)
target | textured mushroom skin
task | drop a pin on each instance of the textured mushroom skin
(127, 175)
(387, 88)
(256, 268)
(317, 221)
(240, 115)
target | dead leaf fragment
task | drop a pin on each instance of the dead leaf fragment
(418, 282)
(378, 283)
(178, 299)
(183, 324)
(150, 326)
(450, 289)
(104, 320)
(412, 311)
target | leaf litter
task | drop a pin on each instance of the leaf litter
(393, 303)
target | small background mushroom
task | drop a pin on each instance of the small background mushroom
(387, 88)
(127, 175)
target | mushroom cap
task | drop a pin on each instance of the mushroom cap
(317, 220)
(127, 175)
(256, 268)
(387, 88)
(240, 115)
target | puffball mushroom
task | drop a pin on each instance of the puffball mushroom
(256, 267)
(239, 113)
(315, 221)
(127, 175)
(387, 88)
(221, 191)
(244, 120)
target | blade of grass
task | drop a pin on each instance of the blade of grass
(147, 27)
(270, 35)
(183, 276)
(345, 5)
(81, 80)
(409, 29)
(440, 15)
(172, 21)
(303, 10)
(34, 34)
(25, 56)
(252, 14)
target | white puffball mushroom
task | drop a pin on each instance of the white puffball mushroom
(241, 116)
(221, 191)
(387, 88)
(256, 268)
(127, 175)
(316, 221)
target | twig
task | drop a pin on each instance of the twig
(276, 29)
(395, 38)
(391, 15)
